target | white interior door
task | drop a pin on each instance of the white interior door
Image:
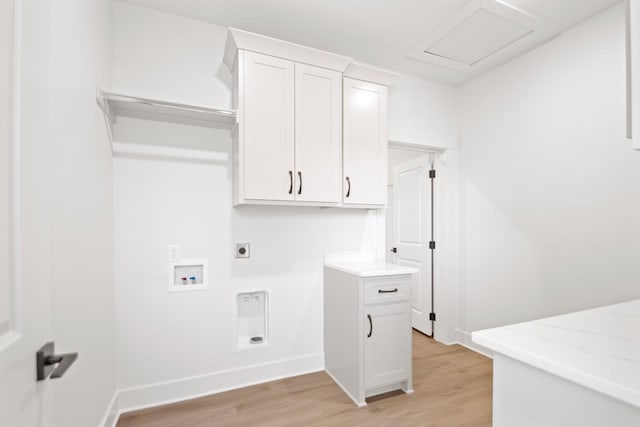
(25, 302)
(412, 233)
(268, 123)
(318, 134)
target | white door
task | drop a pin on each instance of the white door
(25, 303)
(267, 104)
(364, 143)
(318, 132)
(387, 350)
(412, 229)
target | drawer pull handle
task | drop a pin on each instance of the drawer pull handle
(382, 291)
(370, 326)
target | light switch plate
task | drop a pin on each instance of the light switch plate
(242, 250)
(174, 253)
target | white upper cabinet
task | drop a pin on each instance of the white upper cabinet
(364, 144)
(318, 134)
(294, 105)
(266, 117)
(289, 136)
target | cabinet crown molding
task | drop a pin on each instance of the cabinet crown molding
(370, 73)
(349, 67)
(245, 40)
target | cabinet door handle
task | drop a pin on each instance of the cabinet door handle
(370, 326)
(290, 182)
(300, 180)
(348, 186)
(383, 291)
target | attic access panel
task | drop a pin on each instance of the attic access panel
(480, 34)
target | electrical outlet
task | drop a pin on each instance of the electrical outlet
(242, 250)
(174, 253)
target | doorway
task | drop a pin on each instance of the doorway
(410, 228)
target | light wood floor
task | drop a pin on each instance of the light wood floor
(452, 389)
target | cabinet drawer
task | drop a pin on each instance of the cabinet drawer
(386, 291)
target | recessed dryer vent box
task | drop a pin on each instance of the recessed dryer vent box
(188, 275)
(251, 320)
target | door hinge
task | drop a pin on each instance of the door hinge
(432, 317)
(432, 245)
(432, 173)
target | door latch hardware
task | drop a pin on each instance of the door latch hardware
(50, 364)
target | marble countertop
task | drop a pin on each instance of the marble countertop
(371, 269)
(597, 348)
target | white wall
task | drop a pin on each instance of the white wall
(549, 186)
(188, 202)
(164, 56)
(81, 210)
(423, 113)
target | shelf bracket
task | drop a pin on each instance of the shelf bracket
(109, 119)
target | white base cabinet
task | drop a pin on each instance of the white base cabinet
(367, 332)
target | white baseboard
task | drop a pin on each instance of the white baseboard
(360, 404)
(464, 339)
(135, 398)
(112, 414)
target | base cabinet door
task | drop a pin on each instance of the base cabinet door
(387, 354)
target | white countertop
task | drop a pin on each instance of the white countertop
(597, 348)
(370, 269)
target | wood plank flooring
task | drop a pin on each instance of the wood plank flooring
(453, 387)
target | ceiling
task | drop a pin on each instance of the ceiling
(380, 32)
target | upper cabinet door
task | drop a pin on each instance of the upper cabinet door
(267, 120)
(318, 131)
(364, 143)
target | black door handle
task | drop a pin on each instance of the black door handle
(382, 291)
(349, 187)
(370, 326)
(290, 182)
(300, 180)
(50, 364)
